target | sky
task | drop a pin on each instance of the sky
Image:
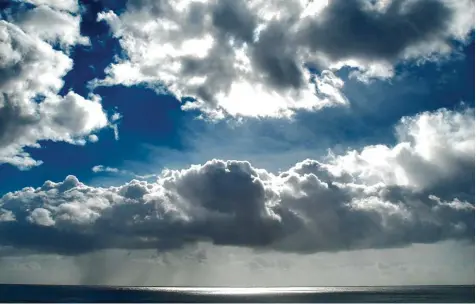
(237, 143)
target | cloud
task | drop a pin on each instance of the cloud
(252, 58)
(63, 5)
(344, 203)
(93, 138)
(111, 170)
(116, 117)
(386, 31)
(101, 168)
(31, 73)
(435, 152)
(52, 26)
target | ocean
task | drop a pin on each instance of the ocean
(400, 294)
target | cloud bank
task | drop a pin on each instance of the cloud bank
(272, 58)
(372, 198)
(34, 57)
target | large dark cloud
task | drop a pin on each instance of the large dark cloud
(222, 52)
(372, 198)
(233, 18)
(356, 30)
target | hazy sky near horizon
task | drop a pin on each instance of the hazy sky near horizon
(293, 142)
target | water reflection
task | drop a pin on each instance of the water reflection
(249, 290)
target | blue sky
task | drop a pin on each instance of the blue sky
(390, 108)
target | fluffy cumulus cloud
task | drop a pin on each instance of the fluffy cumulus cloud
(371, 198)
(435, 153)
(62, 5)
(52, 25)
(31, 72)
(271, 58)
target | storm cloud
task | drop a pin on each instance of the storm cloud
(345, 202)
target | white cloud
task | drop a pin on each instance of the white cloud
(31, 73)
(434, 149)
(115, 128)
(116, 117)
(64, 5)
(101, 168)
(41, 216)
(6, 216)
(52, 26)
(116, 171)
(230, 85)
(93, 138)
(343, 204)
(251, 58)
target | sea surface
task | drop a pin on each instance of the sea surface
(400, 294)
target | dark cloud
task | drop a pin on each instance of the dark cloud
(280, 65)
(233, 18)
(344, 203)
(13, 121)
(355, 30)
